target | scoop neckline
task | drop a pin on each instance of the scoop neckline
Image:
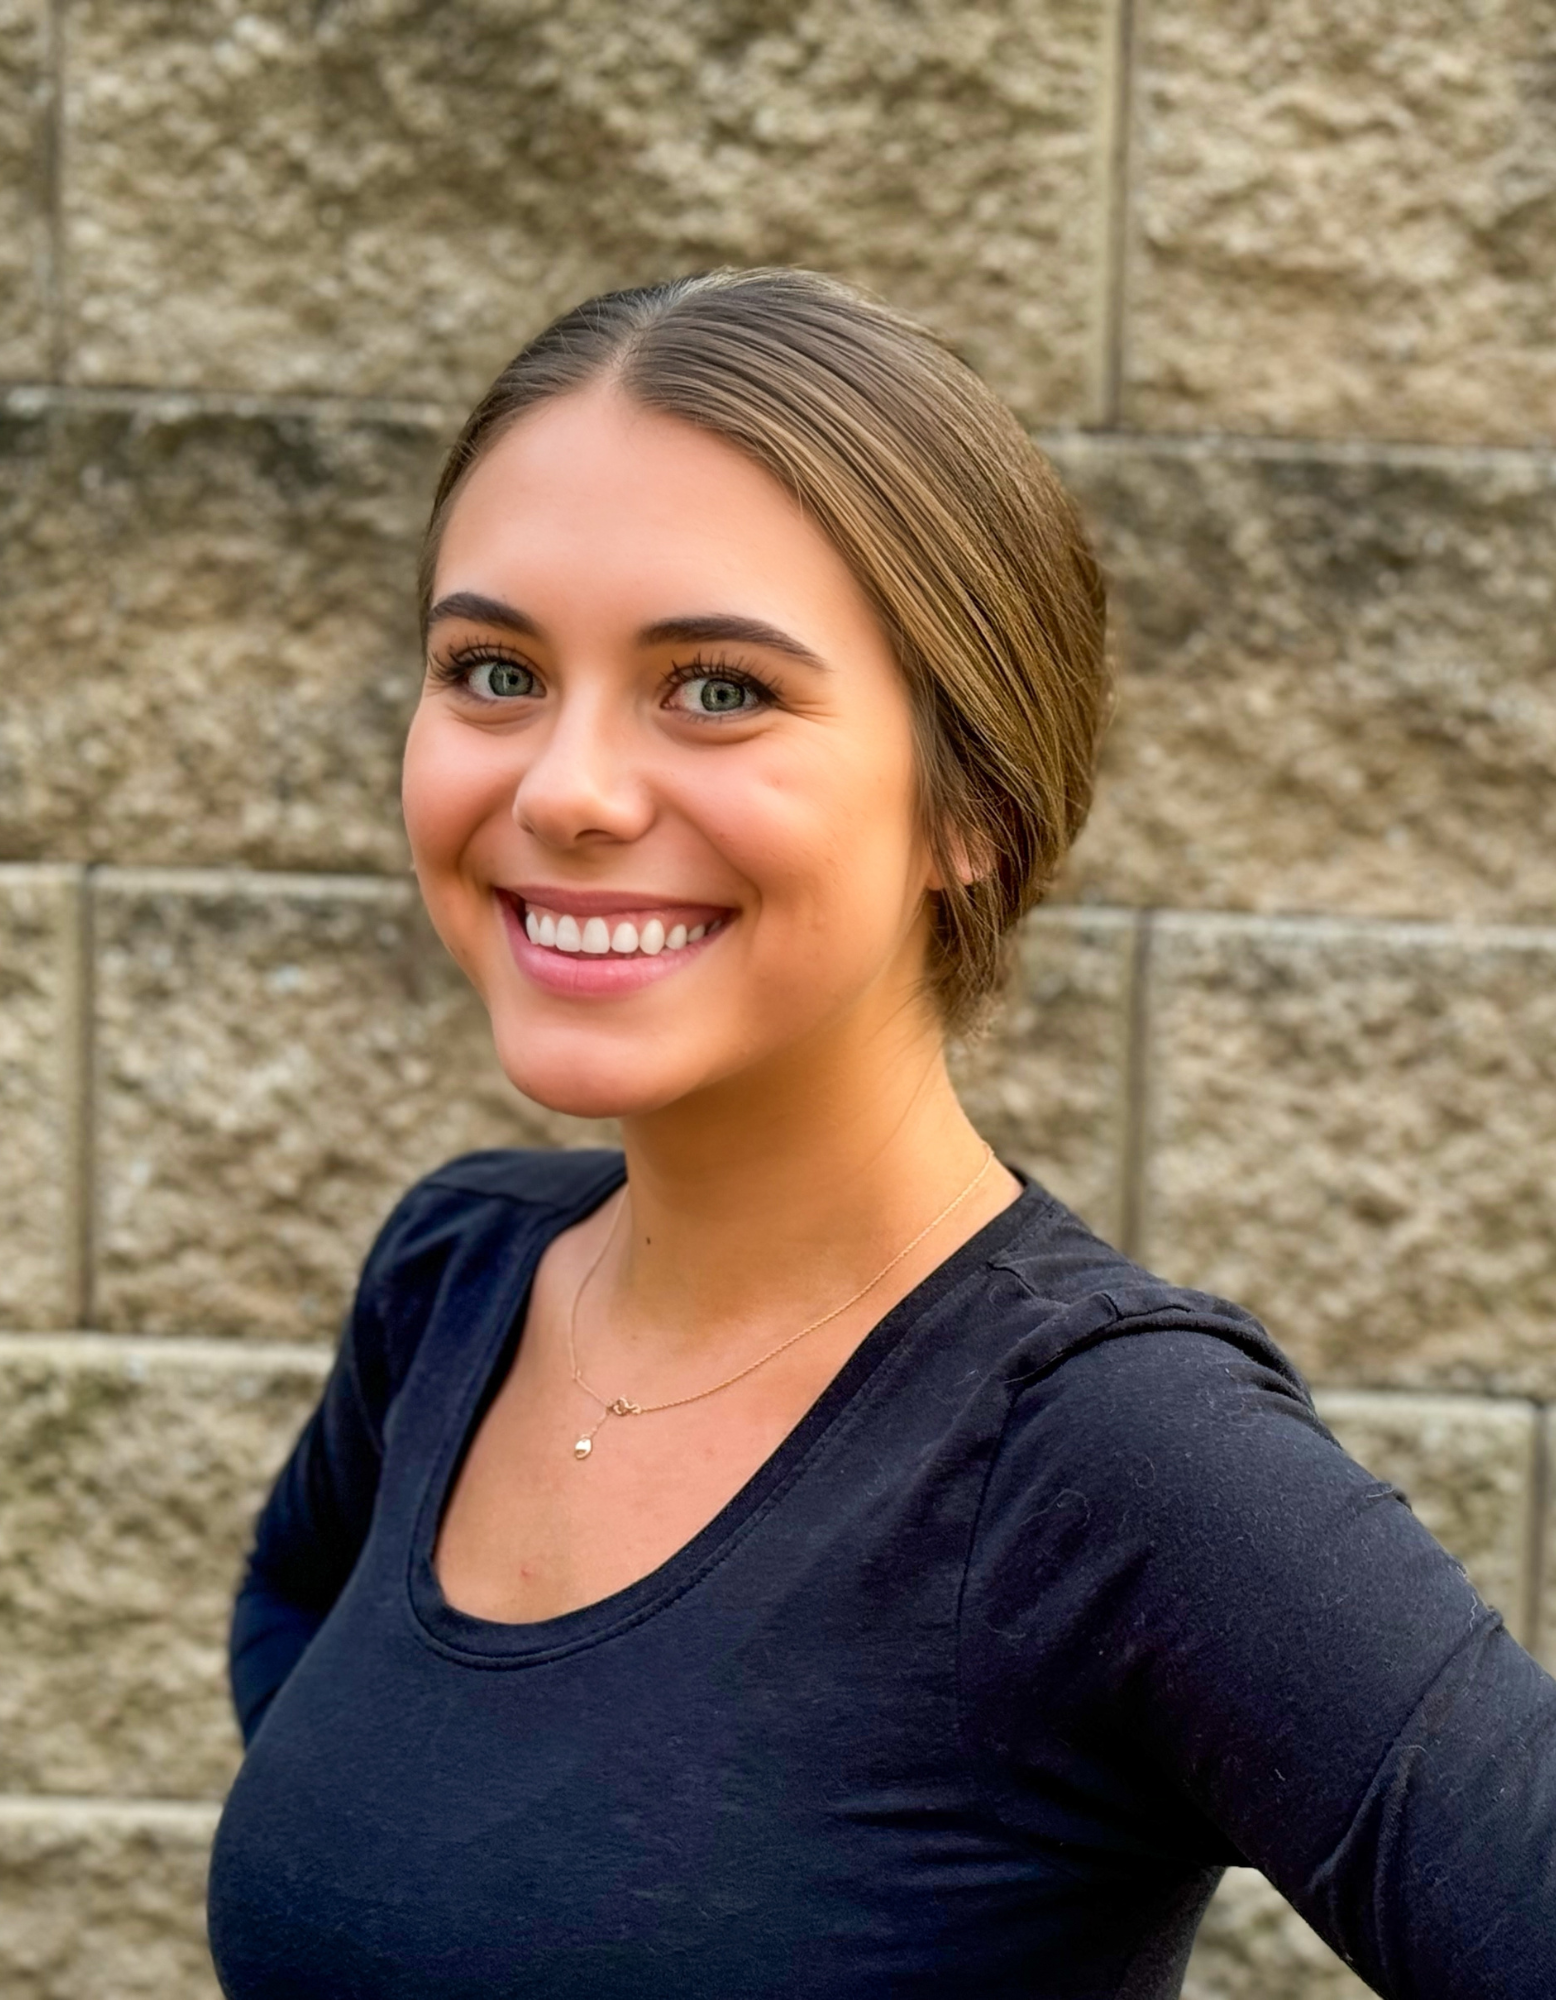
(484, 1642)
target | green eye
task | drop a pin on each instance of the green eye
(716, 697)
(501, 679)
(698, 688)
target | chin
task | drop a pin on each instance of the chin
(585, 1076)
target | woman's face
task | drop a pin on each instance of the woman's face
(660, 785)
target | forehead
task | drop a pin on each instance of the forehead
(590, 492)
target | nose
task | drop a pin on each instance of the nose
(586, 783)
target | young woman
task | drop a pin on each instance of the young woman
(795, 1557)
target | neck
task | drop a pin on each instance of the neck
(767, 1202)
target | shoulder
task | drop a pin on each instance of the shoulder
(458, 1232)
(1163, 1411)
(504, 1190)
(1157, 1430)
(518, 1177)
(1072, 1305)
(1161, 1463)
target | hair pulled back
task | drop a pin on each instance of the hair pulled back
(952, 521)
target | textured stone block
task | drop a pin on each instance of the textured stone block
(388, 196)
(1466, 1466)
(1344, 220)
(1352, 1128)
(1254, 1946)
(1049, 1086)
(209, 648)
(42, 1052)
(279, 1058)
(25, 196)
(130, 1473)
(102, 1900)
(1339, 680)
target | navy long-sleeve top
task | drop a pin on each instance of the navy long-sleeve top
(1059, 1600)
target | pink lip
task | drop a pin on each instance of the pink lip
(581, 976)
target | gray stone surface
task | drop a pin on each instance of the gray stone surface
(103, 1902)
(25, 195)
(1049, 1086)
(1344, 219)
(129, 1478)
(1467, 1467)
(388, 196)
(209, 649)
(1339, 683)
(1254, 1946)
(1351, 1130)
(279, 1058)
(41, 1053)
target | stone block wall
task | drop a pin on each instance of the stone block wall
(1274, 283)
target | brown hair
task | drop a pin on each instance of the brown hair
(950, 518)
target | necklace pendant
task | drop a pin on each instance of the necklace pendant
(622, 1407)
(583, 1447)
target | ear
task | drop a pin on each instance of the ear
(971, 859)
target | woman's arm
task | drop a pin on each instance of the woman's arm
(307, 1536)
(312, 1527)
(1267, 1636)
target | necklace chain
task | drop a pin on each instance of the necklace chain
(623, 1406)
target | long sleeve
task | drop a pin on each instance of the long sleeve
(436, 1252)
(305, 1541)
(1292, 1671)
(313, 1525)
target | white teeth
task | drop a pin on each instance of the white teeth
(599, 935)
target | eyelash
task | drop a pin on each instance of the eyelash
(455, 671)
(699, 669)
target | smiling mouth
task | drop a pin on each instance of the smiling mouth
(610, 935)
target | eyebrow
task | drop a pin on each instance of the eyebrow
(479, 610)
(716, 625)
(698, 627)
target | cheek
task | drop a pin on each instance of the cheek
(830, 842)
(447, 790)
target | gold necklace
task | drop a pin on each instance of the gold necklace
(623, 1406)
